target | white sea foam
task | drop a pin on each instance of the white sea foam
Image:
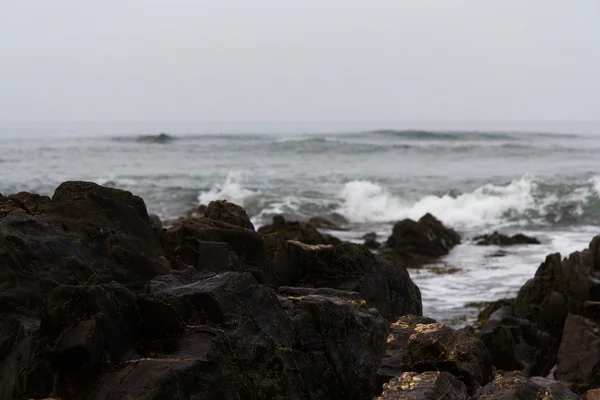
(364, 201)
(231, 190)
(595, 182)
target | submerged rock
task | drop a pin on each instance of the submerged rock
(333, 221)
(418, 243)
(161, 138)
(424, 386)
(498, 239)
(371, 241)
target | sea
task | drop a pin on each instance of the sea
(541, 183)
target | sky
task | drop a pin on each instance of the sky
(273, 60)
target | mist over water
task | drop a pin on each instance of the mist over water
(546, 185)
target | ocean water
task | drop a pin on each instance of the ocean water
(546, 185)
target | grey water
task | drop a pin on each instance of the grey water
(542, 184)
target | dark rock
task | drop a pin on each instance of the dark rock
(516, 386)
(371, 241)
(155, 222)
(324, 222)
(536, 321)
(224, 211)
(297, 231)
(424, 386)
(517, 344)
(276, 262)
(579, 354)
(498, 239)
(417, 243)
(161, 138)
(421, 344)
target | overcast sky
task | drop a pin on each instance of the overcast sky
(276, 60)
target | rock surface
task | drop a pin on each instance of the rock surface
(526, 335)
(417, 243)
(97, 303)
(421, 344)
(224, 211)
(371, 241)
(298, 231)
(498, 239)
(425, 386)
(515, 386)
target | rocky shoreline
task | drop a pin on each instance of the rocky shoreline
(99, 301)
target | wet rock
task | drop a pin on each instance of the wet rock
(537, 318)
(417, 243)
(579, 354)
(371, 242)
(421, 344)
(518, 344)
(424, 386)
(297, 231)
(499, 239)
(224, 211)
(515, 386)
(155, 222)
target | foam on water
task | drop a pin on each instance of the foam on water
(231, 190)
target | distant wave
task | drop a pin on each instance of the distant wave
(459, 135)
(161, 138)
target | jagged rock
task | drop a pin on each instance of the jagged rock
(224, 211)
(332, 222)
(297, 231)
(417, 243)
(276, 262)
(421, 344)
(371, 241)
(578, 360)
(499, 239)
(424, 386)
(533, 328)
(515, 386)
(593, 394)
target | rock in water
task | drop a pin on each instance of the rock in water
(424, 386)
(579, 354)
(371, 241)
(224, 211)
(498, 239)
(421, 344)
(529, 333)
(515, 386)
(417, 243)
(297, 231)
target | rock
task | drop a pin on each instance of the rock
(421, 344)
(578, 360)
(297, 231)
(593, 394)
(417, 243)
(516, 386)
(424, 386)
(516, 343)
(276, 262)
(224, 211)
(498, 239)
(371, 242)
(85, 233)
(326, 222)
(155, 222)
(534, 325)
(161, 138)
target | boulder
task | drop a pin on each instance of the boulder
(516, 386)
(593, 394)
(499, 239)
(224, 211)
(276, 262)
(425, 386)
(578, 360)
(526, 335)
(421, 344)
(371, 241)
(297, 231)
(418, 243)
